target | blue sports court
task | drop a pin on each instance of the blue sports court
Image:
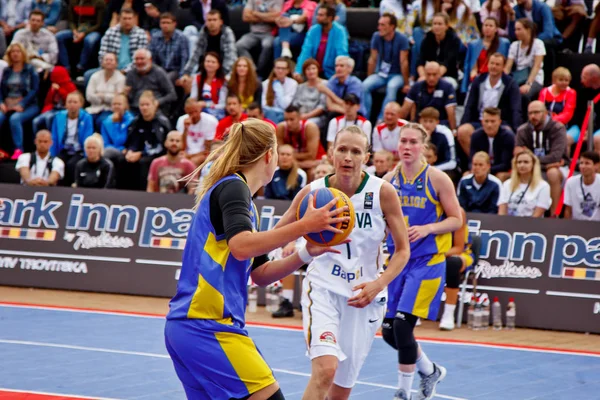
(105, 355)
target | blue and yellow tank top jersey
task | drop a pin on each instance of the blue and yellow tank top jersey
(421, 206)
(213, 284)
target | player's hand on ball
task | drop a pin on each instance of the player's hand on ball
(322, 219)
(367, 294)
(316, 251)
(417, 232)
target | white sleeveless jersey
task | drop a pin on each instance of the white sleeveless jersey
(360, 260)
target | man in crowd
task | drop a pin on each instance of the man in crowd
(254, 110)
(235, 113)
(198, 131)
(40, 168)
(387, 134)
(343, 83)
(39, 42)
(479, 191)
(582, 192)
(303, 136)
(350, 117)
(169, 48)
(166, 171)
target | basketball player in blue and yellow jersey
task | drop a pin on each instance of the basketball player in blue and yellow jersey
(458, 259)
(205, 331)
(432, 212)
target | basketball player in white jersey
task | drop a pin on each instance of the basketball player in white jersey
(344, 296)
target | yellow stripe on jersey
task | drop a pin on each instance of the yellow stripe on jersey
(207, 303)
(217, 250)
(248, 363)
(425, 295)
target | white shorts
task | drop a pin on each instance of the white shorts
(331, 327)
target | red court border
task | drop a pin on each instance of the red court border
(8, 394)
(299, 328)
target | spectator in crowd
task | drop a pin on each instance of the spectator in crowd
(479, 191)
(303, 136)
(70, 128)
(540, 14)
(167, 171)
(594, 30)
(322, 170)
(442, 46)
(431, 92)
(115, 8)
(479, 51)
(51, 10)
(148, 77)
(386, 135)
(198, 131)
(123, 40)
(547, 139)
(18, 91)
(349, 118)
(560, 100)
(214, 37)
(278, 90)
(403, 11)
(144, 143)
(383, 162)
(104, 84)
(201, 10)
(152, 11)
(94, 171)
(209, 86)
(462, 18)
(288, 179)
(244, 82)
(590, 82)
(13, 16)
(311, 96)
(169, 47)
(254, 110)
(340, 11)
(443, 139)
(582, 193)
(496, 140)
(261, 15)
(525, 194)
(568, 15)
(500, 11)
(387, 65)
(527, 56)
(491, 89)
(324, 42)
(61, 86)
(343, 83)
(39, 42)
(296, 18)
(423, 17)
(85, 18)
(431, 154)
(39, 168)
(235, 114)
(115, 129)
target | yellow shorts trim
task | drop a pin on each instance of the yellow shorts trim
(425, 295)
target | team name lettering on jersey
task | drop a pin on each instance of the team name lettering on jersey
(347, 276)
(364, 220)
(414, 201)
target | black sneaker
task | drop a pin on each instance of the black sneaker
(286, 310)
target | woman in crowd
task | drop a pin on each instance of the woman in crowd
(288, 179)
(94, 171)
(144, 143)
(499, 10)
(18, 94)
(560, 101)
(244, 82)
(296, 17)
(462, 20)
(209, 86)
(56, 98)
(480, 50)
(525, 194)
(310, 97)
(278, 90)
(115, 129)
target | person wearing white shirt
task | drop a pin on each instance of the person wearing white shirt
(39, 168)
(351, 117)
(387, 134)
(278, 91)
(198, 129)
(582, 193)
(101, 89)
(525, 194)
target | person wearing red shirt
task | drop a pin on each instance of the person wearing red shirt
(560, 99)
(235, 114)
(254, 110)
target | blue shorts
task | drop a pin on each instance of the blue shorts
(215, 362)
(419, 287)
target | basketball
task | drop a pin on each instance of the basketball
(320, 198)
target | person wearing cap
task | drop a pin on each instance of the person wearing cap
(350, 117)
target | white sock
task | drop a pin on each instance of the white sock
(424, 364)
(405, 381)
(288, 294)
(449, 310)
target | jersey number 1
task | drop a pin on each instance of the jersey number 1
(349, 252)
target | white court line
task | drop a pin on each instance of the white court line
(62, 255)
(505, 289)
(157, 262)
(77, 396)
(74, 310)
(572, 294)
(155, 355)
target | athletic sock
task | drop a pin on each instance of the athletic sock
(424, 364)
(405, 381)
(449, 310)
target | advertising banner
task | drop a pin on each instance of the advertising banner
(132, 242)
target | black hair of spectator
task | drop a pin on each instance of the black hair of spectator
(292, 109)
(127, 10)
(591, 155)
(492, 111)
(351, 98)
(391, 18)
(234, 96)
(498, 54)
(330, 10)
(167, 15)
(215, 12)
(39, 12)
(530, 26)
(255, 106)
(496, 40)
(432, 147)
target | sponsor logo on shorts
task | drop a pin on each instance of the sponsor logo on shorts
(327, 337)
(347, 276)
(401, 316)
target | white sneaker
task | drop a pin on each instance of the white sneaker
(286, 52)
(447, 322)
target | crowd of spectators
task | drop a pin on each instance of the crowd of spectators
(482, 78)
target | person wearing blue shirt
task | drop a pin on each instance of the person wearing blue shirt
(324, 42)
(115, 128)
(388, 64)
(51, 9)
(343, 83)
(479, 191)
(541, 14)
(340, 11)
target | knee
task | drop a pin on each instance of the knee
(554, 176)
(324, 369)
(387, 331)
(464, 132)
(404, 325)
